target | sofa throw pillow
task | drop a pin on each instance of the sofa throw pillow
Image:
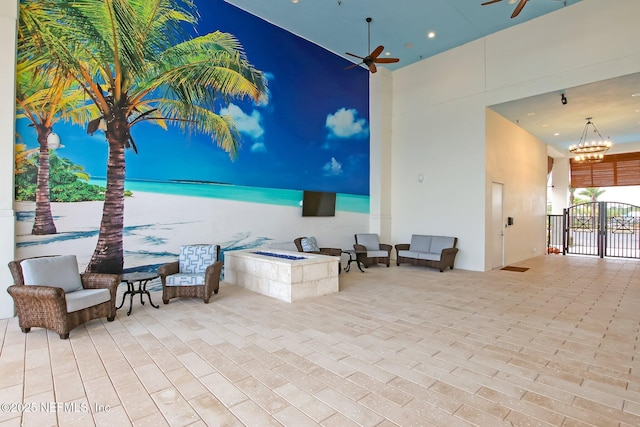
(309, 244)
(58, 271)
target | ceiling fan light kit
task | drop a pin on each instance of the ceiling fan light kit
(590, 151)
(372, 59)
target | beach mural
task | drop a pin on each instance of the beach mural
(143, 125)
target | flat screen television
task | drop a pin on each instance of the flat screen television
(318, 203)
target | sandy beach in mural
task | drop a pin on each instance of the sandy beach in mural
(157, 224)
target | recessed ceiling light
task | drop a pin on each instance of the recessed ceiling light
(545, 125)
(531, 114)
(388, 53)
(408, 45)
(556, 134)
(635, 94)
(431, 34)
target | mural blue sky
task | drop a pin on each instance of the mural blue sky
(312, 133)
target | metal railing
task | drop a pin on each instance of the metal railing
(601, 229)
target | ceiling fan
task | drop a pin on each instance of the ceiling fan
(516, 11)
(372, 59)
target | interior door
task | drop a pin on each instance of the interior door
(497, 226)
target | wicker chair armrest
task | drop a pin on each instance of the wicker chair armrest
(359, 248)
(36, 291)
(38, 299)
(100, 280)
(212, 273)
(168, 269)
(448, 254)
(402, 247)
(331, 251)
(385, 247)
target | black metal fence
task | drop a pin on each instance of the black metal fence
(601, 229)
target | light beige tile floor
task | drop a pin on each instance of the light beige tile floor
(556, 345)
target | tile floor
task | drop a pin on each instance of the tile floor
(556, 345)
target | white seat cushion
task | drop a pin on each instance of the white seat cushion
(377, 254)
(429, 256)
(58, 271)
(185, 280)
(78, 300)
(408, 254)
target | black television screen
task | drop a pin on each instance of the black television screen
(318, 203)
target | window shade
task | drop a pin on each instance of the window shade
(614, 170)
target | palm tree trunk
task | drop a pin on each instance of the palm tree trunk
(108, 256)
(43, 223)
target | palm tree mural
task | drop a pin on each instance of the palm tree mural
(44, 98)
(23, 157)
(135, 62)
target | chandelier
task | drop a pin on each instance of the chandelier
(590, 151)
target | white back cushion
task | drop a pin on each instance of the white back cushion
(438, 243)
(58, 271)
(194, 259)
(369, 241)
(420, 243)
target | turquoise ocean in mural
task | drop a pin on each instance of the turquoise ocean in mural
(272, 196)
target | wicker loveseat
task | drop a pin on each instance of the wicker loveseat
(50, 293)
(431, 251)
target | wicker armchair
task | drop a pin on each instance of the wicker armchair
(196, 274)
(370, 251)
(322, 251)
(47, 304)
(302, 246)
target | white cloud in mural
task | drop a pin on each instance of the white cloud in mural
(248, 124)
(258, 147)
(345, 123)
(332, 168)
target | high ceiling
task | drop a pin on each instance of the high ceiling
(402, 26)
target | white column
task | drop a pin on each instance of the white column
(560, 182)
(380, 89)
(8, 22)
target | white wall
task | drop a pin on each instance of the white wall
(439, 121)
(519, 161)
(8, 21)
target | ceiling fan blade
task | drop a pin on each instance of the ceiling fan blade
(372, 68)
(490, 2)
(354, 55)
(353, 66)
(377, 51)
(518, 8)
(385, 60)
